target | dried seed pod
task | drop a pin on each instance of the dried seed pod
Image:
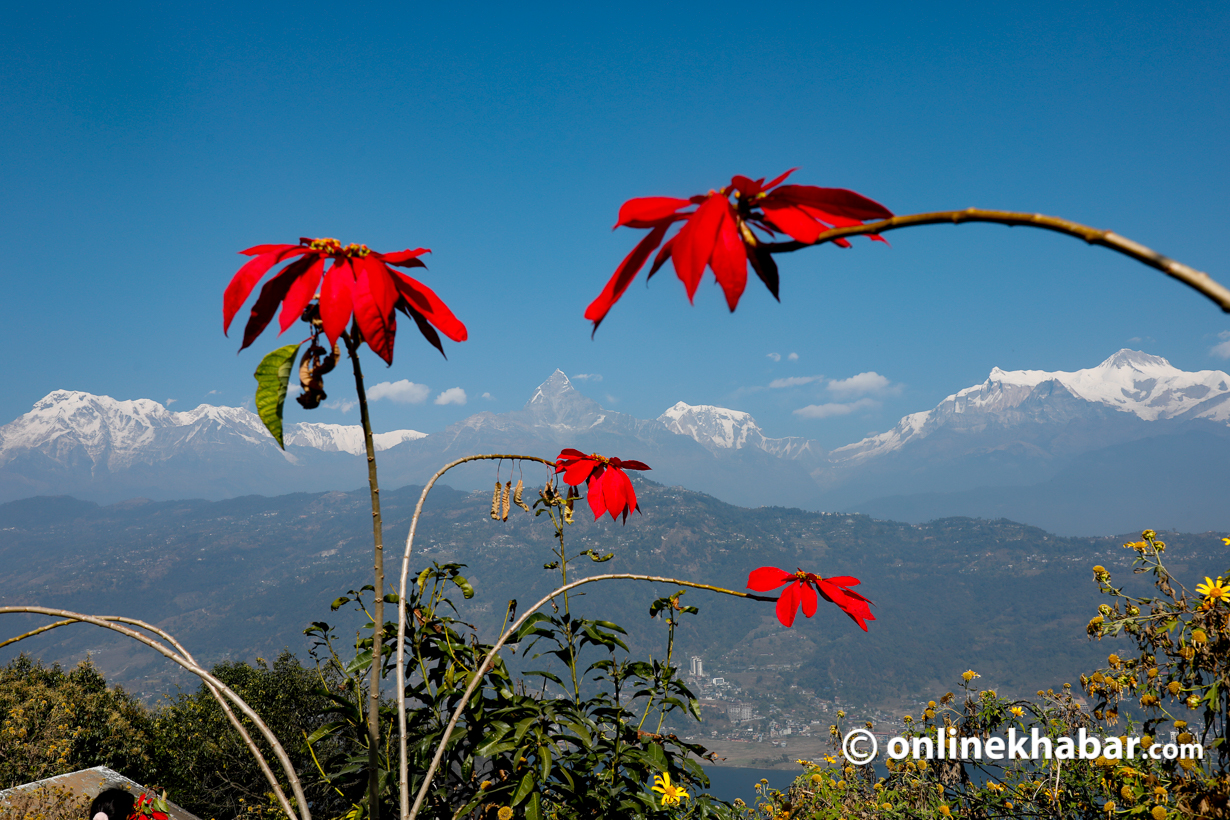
(517, 496)
(507, 490)
(495, 503)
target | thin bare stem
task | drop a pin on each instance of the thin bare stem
(373, 688)
(1199, 280)
(486, 664)
(403, 781)
(216, 687)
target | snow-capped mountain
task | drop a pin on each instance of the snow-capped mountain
(69, 425)
(343, 438)
(717, 428)
(1130, 382)
(1134, 440)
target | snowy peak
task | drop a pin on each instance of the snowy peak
(556, 403)
(714, 427)
(719, 428)
(1130, 382)
(344, 438)
(68, 425)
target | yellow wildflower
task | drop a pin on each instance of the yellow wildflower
(1017, 711)
(505, 813)
(1213, 591)
(969, 675)
(1158, 813)
(671, 795)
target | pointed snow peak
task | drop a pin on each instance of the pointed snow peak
(548, 392)
(1136, 360)
(557, 403)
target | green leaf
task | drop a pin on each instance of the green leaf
(272, 376)
(466, 589)
(533, 809)
(523, 790)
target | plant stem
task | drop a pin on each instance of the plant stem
(481, 672)
(403, 764)
(1198, 280)
(373, 690)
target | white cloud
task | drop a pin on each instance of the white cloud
(171, 401)
(777, 357)
(793, 381)
(1222, 350)
(794, 357)
(863, 384)
(824, 411)
(588, 377)
(454, 395)
(488, 397)
(212, 393)
(402, 392)
(344, 406)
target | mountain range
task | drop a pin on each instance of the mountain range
(1132, 442)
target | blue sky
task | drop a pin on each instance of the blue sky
(145, 144)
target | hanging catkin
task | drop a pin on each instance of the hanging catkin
(507, 490)
(495, 503)
(517, 495)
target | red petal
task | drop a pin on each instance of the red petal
(794, 221)
(788, 604)
(631, 465)
(615, 490)
(767, 578)
(779, 180)
(695, 240)
(405, 259)
(647, 211)
(257, 250)
(568, 453)
(245, 279)
(810, 600)
(843, 581)
(579, 471)
(271, 295)
(729, 260)
(300, 294)
(374, 298)
(336, 299)
(623, 276)
(594, 496)
(834, 200)
(425, 301)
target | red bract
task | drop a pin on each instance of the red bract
(609, 488)
(358, 283)
(804, 589)
(718, 233)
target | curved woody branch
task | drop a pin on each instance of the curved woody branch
(481, 671)
(217, 688)
(403, 764)
(1189, 276)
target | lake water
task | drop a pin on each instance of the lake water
(729, 782)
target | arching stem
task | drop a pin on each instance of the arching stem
(1189, 276)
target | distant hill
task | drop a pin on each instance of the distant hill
(243, 576)
(1065, 451)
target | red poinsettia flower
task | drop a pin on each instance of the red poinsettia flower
(718, 233)
(358, 283)
(610, 489)
(150, 808)
(804, 589)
